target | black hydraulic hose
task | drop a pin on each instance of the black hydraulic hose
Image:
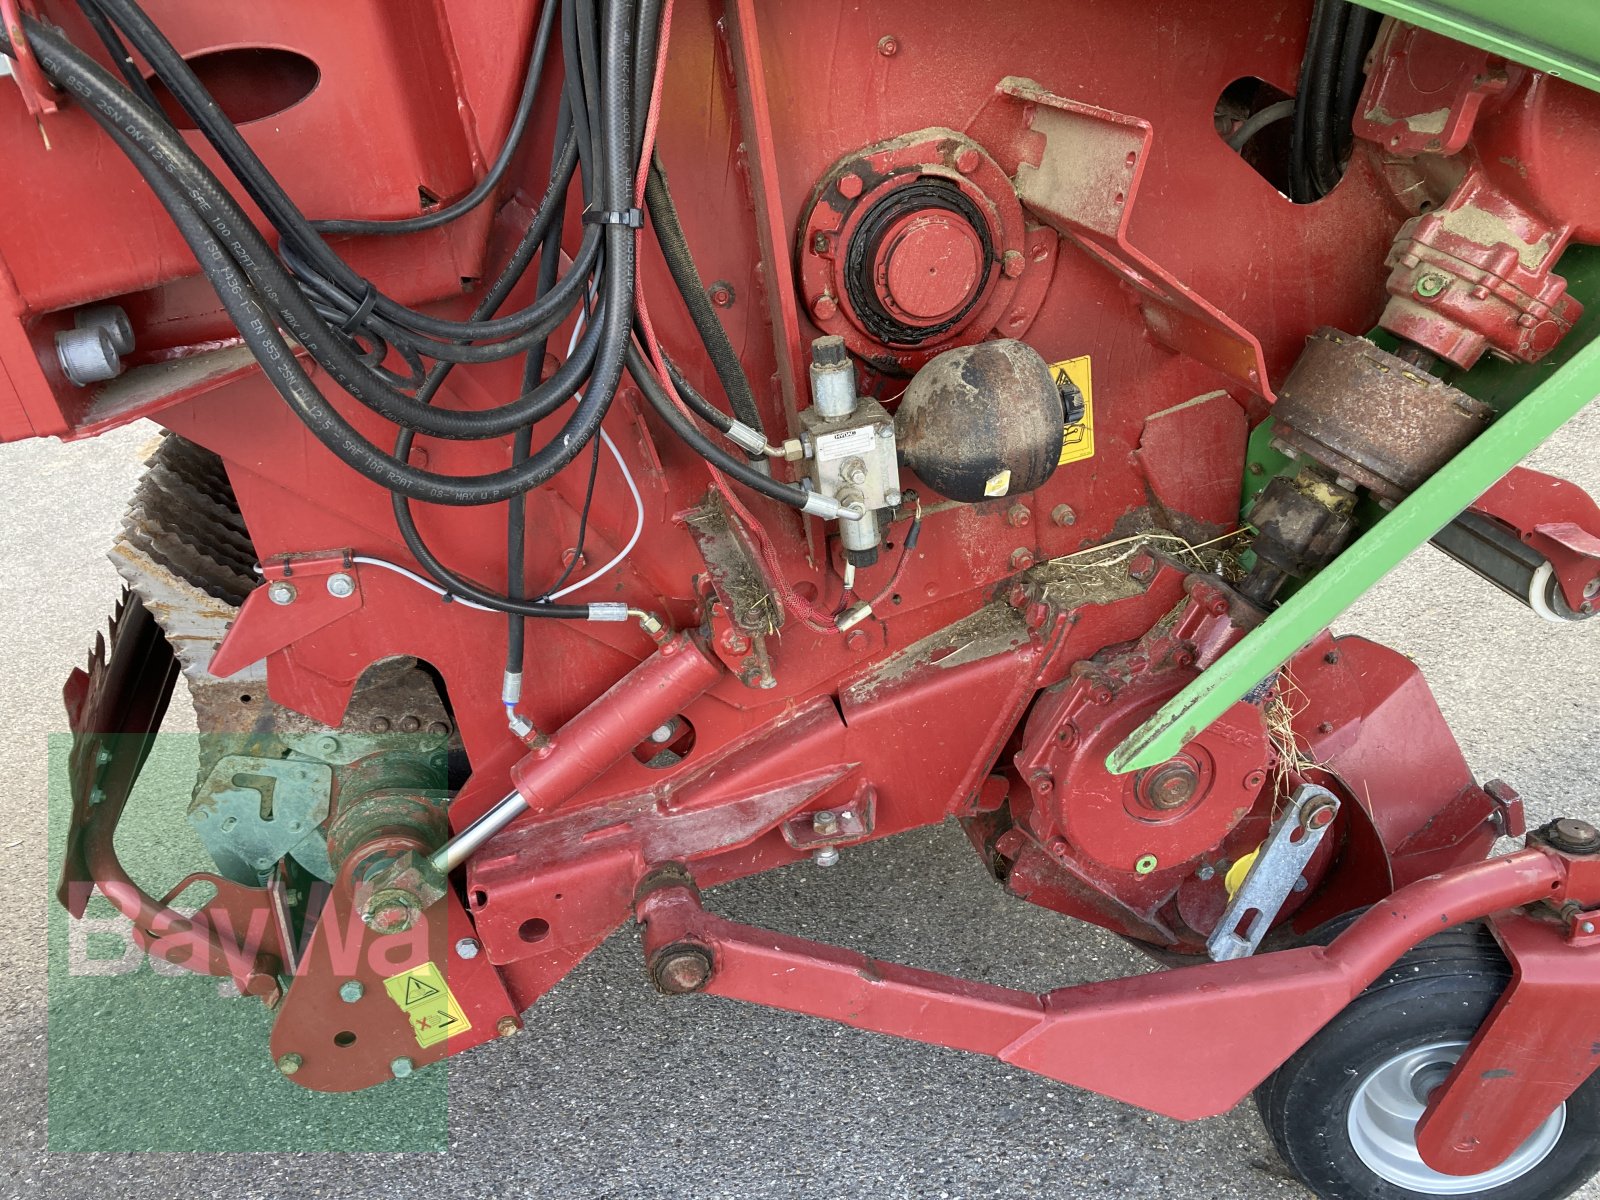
(521, 447)
(1320, 148)
(535, 240)
(299, 316)
(669, 234)
(686, 429)
(577, 96)
(590, 78)
(647, 43)
(1311, 111)
(492, 178)
(1361, 29)
(703, 408)
(269, 195)
(120, 58)
(545, 313)
(466, 588)
(134, 129)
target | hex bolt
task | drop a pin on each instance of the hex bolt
(886, 431)
(87, 356)
(401, 1067)
(467, 948)
(1018, 516)
(1013, 264)
(721, 294)
(1302, 884)
(1021, 559)
(1429, 286)
(893, 497)
(1206, 873)
(968, 161)
(825, 823)
(290, 1063)
(351, 990)
(341, 585)
(662, 734)
(824, 307)
(826, 856)
(281, 592)
(1063, 515)
(850, 185)
(888, 45)
(1587, 927)
(1592, 589)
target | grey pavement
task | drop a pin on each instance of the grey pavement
(612, 1090)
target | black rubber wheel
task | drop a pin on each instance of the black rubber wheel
(1340, 1111)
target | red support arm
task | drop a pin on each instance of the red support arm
(1153, 1040)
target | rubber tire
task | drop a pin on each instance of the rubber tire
(1443, 990)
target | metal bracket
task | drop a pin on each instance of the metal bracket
(38, 93)
(850, 822)
(1278, 867)
(1500, 1093)
(298, 595)
(244, 843)
(1084, 186)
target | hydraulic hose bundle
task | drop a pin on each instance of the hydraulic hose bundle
(394, 359)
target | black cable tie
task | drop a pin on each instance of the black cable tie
(362, 312)
(633, 218)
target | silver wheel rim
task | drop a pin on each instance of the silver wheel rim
(1383, 1126)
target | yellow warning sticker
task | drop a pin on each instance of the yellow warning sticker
(1077, 393)
(428, 1003)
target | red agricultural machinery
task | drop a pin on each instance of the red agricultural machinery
(616, 447)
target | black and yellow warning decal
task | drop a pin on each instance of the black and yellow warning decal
(425, 998)
(1074, 383)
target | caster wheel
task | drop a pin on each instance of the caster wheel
(1343, 1112)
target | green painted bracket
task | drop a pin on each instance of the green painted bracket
(1523, 426)
(1557, 36)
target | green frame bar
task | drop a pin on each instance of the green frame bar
(1558, 36)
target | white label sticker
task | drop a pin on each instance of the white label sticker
(850, 442)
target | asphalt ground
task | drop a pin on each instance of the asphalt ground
(613, 1091)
